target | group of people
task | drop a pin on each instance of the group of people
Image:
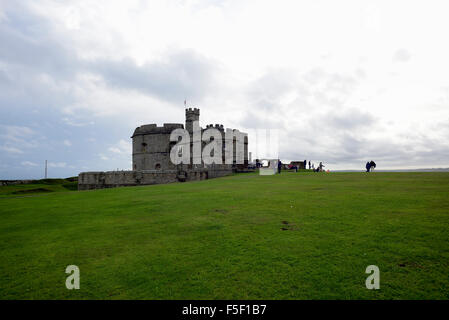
(295, 167)
(312, 166)
(370, 166)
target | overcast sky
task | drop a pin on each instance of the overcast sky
(344, 81)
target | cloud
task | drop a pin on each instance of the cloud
(122, 147)
(74, 123)
(349, 120)
(253, 120)
(115, 150)
(80, 70)
(180, 74)
(12, 150)
(16, 139)
(57, 164)
(25, 46)
(15, 133)
(401, 55)
(28, 164)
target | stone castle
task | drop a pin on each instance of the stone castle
(151, 163)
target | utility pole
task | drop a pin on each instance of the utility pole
(45, 169)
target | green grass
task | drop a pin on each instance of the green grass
(39, 186)
(289, 236)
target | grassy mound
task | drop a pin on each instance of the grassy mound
(35, 190)
(40, 186)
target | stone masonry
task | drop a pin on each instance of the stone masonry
(151, 159)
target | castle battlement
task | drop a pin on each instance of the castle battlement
(152, 145)
(167, 128)
(151, 158)
(216, 126)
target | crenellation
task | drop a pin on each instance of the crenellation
(151, 163)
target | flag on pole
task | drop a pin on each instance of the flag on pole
(185, 102)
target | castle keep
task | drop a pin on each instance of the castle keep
(151, 162)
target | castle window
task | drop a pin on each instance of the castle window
(158, 166)
(144, 147)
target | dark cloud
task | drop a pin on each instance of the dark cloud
(349, 120)
(27, 43)
(30, 46)
(41, 73)
(182, 74)
(254, 120)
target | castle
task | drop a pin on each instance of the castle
(151, 161)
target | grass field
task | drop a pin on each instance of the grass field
(289, 236)
(39, 186)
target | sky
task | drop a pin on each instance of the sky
(344, 82)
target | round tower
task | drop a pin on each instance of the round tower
(152, 145)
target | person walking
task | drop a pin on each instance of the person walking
(279, 166)
(310, 167)
(321, 167)
(368, 167)
(305, 164)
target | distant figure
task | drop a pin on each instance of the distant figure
(305, 164)
(320, 167)
(279, 166)
(310, 167)
(368, 166)
(313, 166)
(372, 165)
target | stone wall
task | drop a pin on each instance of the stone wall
(14, 182)
(152, 145)
(151, 163)
(112, 179)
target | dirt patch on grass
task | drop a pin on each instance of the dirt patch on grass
(224, 211)
(33, 191)
(288, 226)
(410, 264)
